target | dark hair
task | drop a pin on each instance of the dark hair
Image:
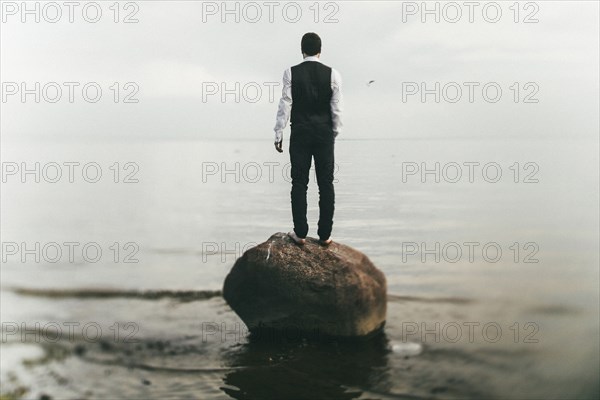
(311, 44)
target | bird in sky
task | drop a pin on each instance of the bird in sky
(369, 84)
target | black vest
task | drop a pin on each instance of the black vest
(311, 95)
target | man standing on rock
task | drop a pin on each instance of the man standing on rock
(312, 100)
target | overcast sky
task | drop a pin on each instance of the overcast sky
(178, 51)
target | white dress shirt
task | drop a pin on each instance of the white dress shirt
(285, 104)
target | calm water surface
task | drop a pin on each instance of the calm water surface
(516, 320)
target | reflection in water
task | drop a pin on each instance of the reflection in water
(306, 369)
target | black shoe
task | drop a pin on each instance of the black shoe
(326, 242)
(296, 239)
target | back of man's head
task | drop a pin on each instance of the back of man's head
(311, 44)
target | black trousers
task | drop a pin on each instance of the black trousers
(307, 143)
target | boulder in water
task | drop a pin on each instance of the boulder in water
(330, 290)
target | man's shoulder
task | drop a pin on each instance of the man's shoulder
(334, 71)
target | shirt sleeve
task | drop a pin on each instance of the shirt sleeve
(337, 102)
(285, 105)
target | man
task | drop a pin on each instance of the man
(312, 100)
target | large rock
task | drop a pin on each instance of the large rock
(331, 291)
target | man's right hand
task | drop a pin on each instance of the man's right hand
(279, 146)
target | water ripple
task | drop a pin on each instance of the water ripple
(90, 293)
